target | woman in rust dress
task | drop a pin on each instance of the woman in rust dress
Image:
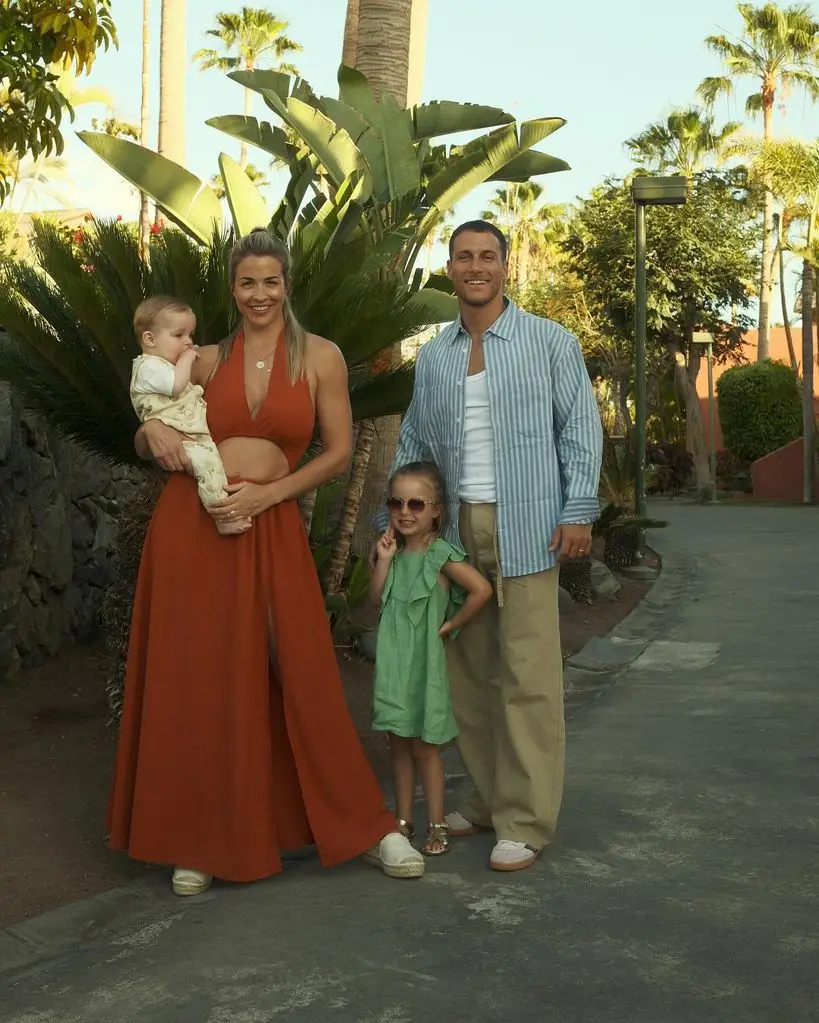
(236, 742)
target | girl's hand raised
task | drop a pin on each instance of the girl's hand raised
(386, 548)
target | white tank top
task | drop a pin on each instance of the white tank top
(477, 485)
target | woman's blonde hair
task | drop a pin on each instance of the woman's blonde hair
(260, 243)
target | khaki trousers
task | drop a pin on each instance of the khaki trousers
(506, 678)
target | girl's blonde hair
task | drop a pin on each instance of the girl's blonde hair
(260, 242)
(431, 474)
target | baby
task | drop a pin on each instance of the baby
(161, 389)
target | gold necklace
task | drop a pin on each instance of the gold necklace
(262, 363)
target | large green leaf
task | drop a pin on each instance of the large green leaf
(530, 165)
(302, 176)
(385, 394)
(262, 135)
(354, 123)
(264, 81)
(189, 202)
(332, 146)
(398, 156)
(247, 207)
(355, 91)
(482, 158)
(445, 117)
(437, 306)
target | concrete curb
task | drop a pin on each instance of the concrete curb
(596, 667)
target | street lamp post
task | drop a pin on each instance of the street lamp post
(702, 337)
(646, 190)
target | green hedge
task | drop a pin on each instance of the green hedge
(760, 408)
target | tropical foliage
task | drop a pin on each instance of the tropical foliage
(759, 408)
(69, 315)
(359, 166)
(686, 142)
(778, 52)
(38, 39)
(701, 261)
(250, 38)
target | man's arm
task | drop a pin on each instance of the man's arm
(579, 436)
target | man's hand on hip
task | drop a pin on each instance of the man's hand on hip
(571, 540)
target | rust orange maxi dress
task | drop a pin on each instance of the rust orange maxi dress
(221, 765)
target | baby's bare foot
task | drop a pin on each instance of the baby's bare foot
(234, 528)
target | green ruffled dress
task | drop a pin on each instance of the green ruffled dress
(411, 691)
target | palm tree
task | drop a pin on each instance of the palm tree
(790, 169)
(173, 63)
(533, 230)
(256, 36)
(384, 43)
(349, 48)
(144, 201)
(685, 143)
(778, 49)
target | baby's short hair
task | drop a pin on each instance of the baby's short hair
(148, 310)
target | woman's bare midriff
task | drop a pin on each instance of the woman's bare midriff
(254, 459)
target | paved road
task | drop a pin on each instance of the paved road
(683, 887)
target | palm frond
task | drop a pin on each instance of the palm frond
(382, 394)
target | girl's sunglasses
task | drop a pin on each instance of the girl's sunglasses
(413, 504)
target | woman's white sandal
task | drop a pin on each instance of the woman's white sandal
(190, 882)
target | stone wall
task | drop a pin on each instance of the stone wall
(58, 510)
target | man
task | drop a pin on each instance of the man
(503, 404)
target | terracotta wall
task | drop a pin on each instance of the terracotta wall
(779, 352)
(778, 476)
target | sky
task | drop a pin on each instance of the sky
(608, 69)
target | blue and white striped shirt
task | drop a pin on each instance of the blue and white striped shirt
(546, 426)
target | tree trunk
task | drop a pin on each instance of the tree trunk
(343, 542)
(307, 505)
(145, 202)
(350, 46)
(685, 377)
(383, 56)
(417, 53)
(785, 315)
(763, 349)
(384, 29)
(621, 410)
(173, 69)
(808, 419)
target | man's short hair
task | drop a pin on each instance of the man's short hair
(481, 227)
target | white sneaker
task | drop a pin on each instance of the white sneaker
(460, 827)
(396, 857)
(190, 882)
(512, 855)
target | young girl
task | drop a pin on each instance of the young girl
(426, 591)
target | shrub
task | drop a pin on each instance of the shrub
(671, 467)
(760, 408)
